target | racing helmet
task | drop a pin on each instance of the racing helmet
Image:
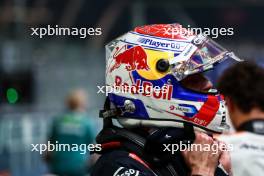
(154, 74)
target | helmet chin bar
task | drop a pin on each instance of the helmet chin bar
(158, 123)
(129, 122)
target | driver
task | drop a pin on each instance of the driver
(159, 98)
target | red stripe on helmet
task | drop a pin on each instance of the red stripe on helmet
(208, 110)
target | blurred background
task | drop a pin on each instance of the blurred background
(37, 74)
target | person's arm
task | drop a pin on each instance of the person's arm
(225, 160)
(51, 137)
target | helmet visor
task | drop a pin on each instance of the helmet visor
(203, 53)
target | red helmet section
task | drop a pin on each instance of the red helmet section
(170, 31)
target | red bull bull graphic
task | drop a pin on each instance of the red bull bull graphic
(135, 58)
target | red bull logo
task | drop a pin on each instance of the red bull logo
(134, 58)
(145, 88)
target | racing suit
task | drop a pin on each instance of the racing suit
(126, 153)
(247, 154)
